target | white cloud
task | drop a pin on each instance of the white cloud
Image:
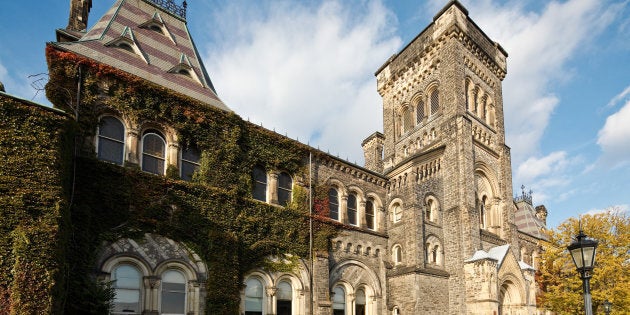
(534, 168)
(624, 95)
(615, 208)
(614, 137)
(306, 70)
(540, 46)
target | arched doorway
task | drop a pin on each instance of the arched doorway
(509, 299)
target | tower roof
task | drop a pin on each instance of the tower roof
(149, 39)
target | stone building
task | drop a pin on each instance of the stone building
(428, 226)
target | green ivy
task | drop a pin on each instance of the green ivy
(214, 214)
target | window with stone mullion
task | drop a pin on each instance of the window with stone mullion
(352, 209)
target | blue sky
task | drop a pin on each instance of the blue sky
(306, 68)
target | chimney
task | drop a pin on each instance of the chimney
(79, 11)
(541, 214)
(373, 151)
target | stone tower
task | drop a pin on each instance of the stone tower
(79, 11)
(446, 158)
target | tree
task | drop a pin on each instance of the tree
(560, 284)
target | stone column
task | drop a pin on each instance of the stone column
(361, 220)
(172, 155)
(131, 146)
(343, 209)
(271, 300)
(272, 187)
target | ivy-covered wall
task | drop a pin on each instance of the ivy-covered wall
(35, 155)
(214, 215)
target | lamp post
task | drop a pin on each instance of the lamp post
(583, 253)
(607, 307)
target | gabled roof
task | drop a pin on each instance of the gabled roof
(157, 53)
(527, 222)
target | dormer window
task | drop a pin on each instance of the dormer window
(127, 41)
(156, 28)
(125, 46)
(157, 25)
(185, 67)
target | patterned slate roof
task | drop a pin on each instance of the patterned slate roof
(143, 39)
(527, 222)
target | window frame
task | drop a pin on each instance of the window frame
(183, 161)
(331, 203)
(256, 184)
(147, 133)
(161, 292)
(140, 288)
(100, 138)
(285, 190)
(351, 212)
(370, 223)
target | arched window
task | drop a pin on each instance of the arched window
(407, 119)
(397, 254)
(127, 284)
(352, 209)
(111, 140)
(333, 204)
(339, 301)
(284, 295)
(190, 162)
(285, 184)
(359, 302)
(369, 214)
(173, 297)
(420, 111)
(396, 311)
(433, 209)
(253, 297)
(396, 213)
(435, 101)
(153, 152)
(260, 183)
(483, 213)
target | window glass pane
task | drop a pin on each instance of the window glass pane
(360, 297)
(352, 209)
(260, 184)
(110, 150)
(188, 169)
(407, 119)
(435, 102)
(111, 140)
(152, 165)
(153, 144)
(153, 152)
(284, 188)
(190, 162)
(284, 291)
(253, 296)
(173, 292)
(397, 215)
(339, 299)
(333, 204)
(369, 214)
(127, 290)
(420, 111)
(112, 128)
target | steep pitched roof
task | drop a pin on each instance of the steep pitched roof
(527, 222)
(144, 39)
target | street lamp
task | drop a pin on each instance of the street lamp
(583, 253)
(607, 307)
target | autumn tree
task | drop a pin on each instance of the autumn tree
(560, 283)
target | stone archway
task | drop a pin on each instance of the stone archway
(510, 301)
